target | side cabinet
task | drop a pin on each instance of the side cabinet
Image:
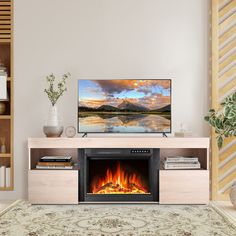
(53, 186)
(184, 187)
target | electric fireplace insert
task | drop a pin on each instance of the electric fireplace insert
(119, 175)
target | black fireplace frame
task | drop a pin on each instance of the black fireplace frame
(153, 157)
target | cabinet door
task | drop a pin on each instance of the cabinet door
(184, 186)
(53, 186)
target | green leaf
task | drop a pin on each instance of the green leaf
(212, 110)
(206, 118)
(219, 141)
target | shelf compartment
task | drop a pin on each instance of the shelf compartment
(5, 131)
(36, 154)
(201, 153)
(5, 56)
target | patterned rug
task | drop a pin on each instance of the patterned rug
(54, 220)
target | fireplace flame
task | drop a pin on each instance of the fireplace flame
(118, 182)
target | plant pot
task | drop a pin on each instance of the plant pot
(53, 118)
(232, 194)
(53, 131)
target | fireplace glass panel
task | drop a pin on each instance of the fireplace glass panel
(118, 176)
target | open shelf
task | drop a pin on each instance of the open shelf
(6, 119)
(5, 132)
(5, 56)
(201, 153)
(36, 154)
(2, 155)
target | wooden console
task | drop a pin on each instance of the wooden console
(175, 186)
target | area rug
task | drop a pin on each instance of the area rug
(118, 220)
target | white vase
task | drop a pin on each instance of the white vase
(53, 118)
(232, 194)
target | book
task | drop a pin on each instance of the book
(182, 168)
(8, 177)
(52, 163)
(54, 167)
(181, 159)
(56, 159)
(182, 165)
(2, 176)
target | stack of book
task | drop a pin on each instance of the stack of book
(180, 162)
(5, 176)
(55, 162)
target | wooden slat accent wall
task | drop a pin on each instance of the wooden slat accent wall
(223, 84)
(5, 20)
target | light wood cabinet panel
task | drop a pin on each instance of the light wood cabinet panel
(184, 186)
(53, 186)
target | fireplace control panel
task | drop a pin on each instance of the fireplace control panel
(137, 151)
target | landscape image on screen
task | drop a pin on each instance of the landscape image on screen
(124, 106)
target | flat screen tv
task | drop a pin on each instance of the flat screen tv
(124, 106)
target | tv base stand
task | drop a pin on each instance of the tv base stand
(164, 135)
(85, 135)
(62, 186)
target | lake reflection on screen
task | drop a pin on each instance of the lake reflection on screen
(123, 123)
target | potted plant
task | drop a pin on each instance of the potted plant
(224, 122)
(54, 91)
(224, 119)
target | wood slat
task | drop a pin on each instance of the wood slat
(228, 21)
(227, 166)
(227, 87)
(5, 26)
(5, 2)
(227, 8)
(5, 17)
(5, 31)
(5, 40)
(5, 36)
(227, 61)
(5, 13)
(227, 179)
(230, 46)
(5, 22)
(228, 73)
(214, 92)
(227, 34)
(5, 8)
(228, 152)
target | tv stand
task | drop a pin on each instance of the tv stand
(164, 135)
(62, 186)
(85, 135)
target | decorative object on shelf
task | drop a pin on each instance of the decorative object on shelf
(3, 88)
(183, 132)
(54, 92)
(3, 82)
(224, 119)
(70, 131)
(53, 131)
(232, 194)
(3, 148)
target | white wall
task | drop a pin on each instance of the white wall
(106, 39)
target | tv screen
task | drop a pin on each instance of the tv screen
(124, 106)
